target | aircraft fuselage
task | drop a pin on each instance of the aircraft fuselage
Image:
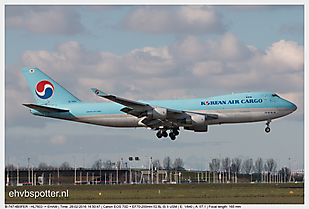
(193, 114)
(233, 108)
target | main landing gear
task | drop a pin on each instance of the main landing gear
(173, 133)
(267, 129)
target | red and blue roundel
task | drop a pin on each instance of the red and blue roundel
(44, 89)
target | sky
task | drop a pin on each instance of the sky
(147, 53)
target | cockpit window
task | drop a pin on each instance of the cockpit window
(275, 95)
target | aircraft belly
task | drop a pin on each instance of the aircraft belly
(224, 116)
(234, 117)
(112, 121)
(120, 122)
(245, 115)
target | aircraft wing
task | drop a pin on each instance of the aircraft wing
(43, 108)
(132, 107)
(140, 109)
(119, 100)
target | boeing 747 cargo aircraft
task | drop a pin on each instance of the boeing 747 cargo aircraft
(52, 100)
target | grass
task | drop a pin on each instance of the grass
(168, 193)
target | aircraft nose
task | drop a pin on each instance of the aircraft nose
(292, 106)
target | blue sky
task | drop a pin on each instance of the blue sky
(154, 52)
(102, 32)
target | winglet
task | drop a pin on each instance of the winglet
(98, 92)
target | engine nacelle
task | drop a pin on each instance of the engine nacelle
(197, 122)
(203, 128)
(157, 113)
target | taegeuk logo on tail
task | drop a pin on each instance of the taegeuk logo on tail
(44, 89)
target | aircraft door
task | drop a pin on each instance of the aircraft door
(266, 99)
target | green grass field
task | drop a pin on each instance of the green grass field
(240, 193)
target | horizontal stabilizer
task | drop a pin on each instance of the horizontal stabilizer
(43, 108)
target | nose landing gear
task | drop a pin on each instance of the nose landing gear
(267, 129)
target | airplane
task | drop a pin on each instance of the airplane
(53, 101)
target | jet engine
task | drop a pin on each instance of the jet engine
(157, 113)
(197, 122)
(203, 128)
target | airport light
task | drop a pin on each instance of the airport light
(279, 173)
(92, 178)
(201, 164)
(117, 174)
(17, 175)
(32, 174)
(150, 167)
(219, 161)
(28, 171)
(80, 177)
(58, 176)
(100, 170)
(130, 171)
(83, 158)
(290, 170)
(251, 163)
(118, 156)
(75, 171)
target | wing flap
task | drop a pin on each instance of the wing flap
(136, 107)
(174, 111)
(213, 116)
(131, 112)
(151, 122)
(43, 108)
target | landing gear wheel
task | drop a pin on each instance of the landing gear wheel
(164, 133)
(159, 134)
(172, 136)
(175, 132)
(267, 129)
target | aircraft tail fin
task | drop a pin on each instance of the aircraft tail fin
(45, 90)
